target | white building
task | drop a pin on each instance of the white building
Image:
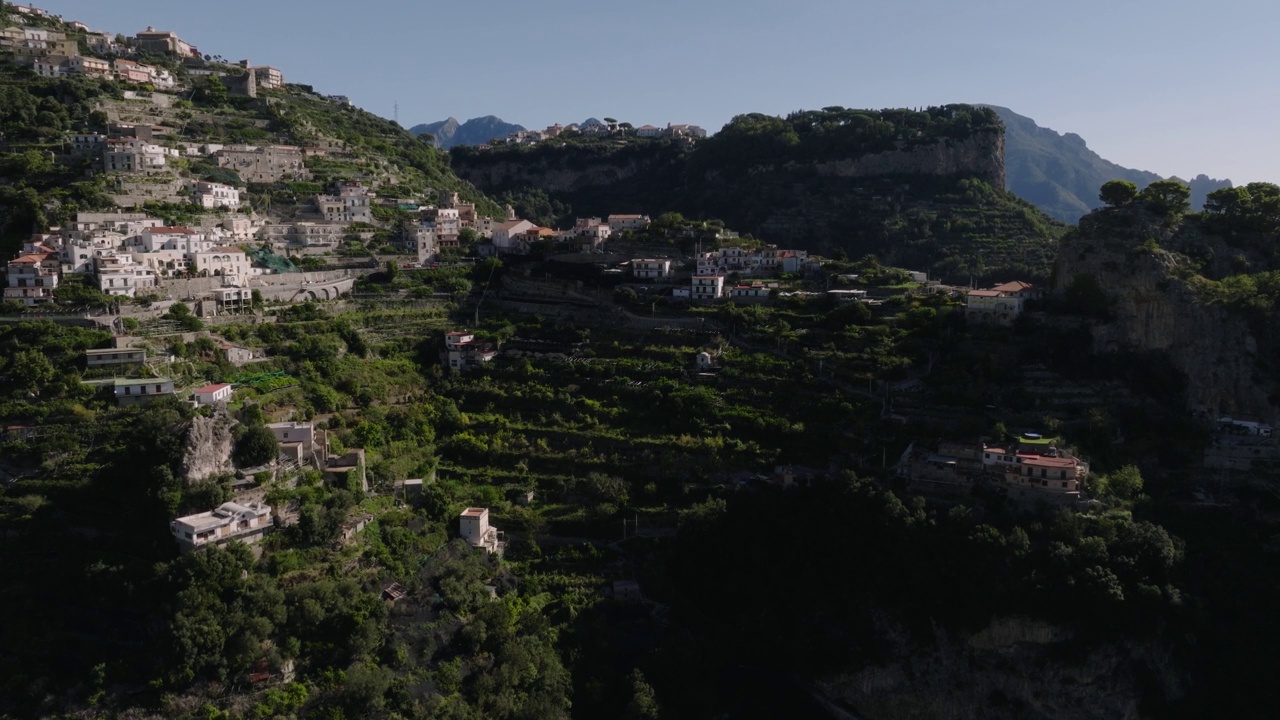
(649, 269)
(120, 275)
(211, 195)
(621, 223)
(132, 392)
(52, 65)
(424, 242)
(707, 287)
(351, 203)
(126, 155)
(230, 522)
(213, 394)
(31, 281)
(505, 235)
(115, 356)
(181, 239)
(448, 223)
(992, 307)
(224, 261)
(91, 66)
(297, 440)
(473, 526)
(268, 78)
(463, 352)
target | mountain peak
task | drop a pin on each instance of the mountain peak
(476, 131)
(1060, 174)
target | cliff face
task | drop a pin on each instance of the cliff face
(935, 202)
(980, 156)
(1013, 669)
(555, 177)
(1153, 306)
(207, 448)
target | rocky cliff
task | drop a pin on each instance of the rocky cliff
(562, 173)
(1147, 299)
(1015, 668)
(207, 448)
(981, 155)
(924, 189)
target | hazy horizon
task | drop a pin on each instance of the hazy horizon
(1111, 74)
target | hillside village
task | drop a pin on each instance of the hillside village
(383, 447)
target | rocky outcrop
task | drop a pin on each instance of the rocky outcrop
(1151, 305)
(980, 155)
(207, 448)
(1013, 669)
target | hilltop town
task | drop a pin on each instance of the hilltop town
(295, 422)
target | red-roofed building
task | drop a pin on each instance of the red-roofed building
(463, 351)
(213, 394)
(32, 279)
(1000, 305)
(1018, 288)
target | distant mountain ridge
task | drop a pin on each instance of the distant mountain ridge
(1061, 175)
(476, 131)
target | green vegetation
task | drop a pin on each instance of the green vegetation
(35, 116)
(763, 175)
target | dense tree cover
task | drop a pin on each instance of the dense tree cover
(35, 116)
(1118, 192)
(837, 133)
(759, 176)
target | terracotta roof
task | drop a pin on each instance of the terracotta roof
(172, 231)
(215, 387)
(1013, 287)
(1047, 462)
(985, 293)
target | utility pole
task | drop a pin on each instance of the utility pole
(396, 114)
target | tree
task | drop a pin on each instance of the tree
(257, 446)
(1118, 193)
(393, 271)
(1125, 483)
(1169, 198)
(30, 372)
(182, 315)
(644, 703)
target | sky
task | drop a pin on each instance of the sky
(1175, 87)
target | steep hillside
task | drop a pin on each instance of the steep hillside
(476, 131)
(917, 188)
(44, 180)
(1061, 175)
(1200, 289)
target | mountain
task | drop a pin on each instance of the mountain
(1061, 175)
(919, 189)
(476, 131)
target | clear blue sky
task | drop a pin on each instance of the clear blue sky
(1175, 87)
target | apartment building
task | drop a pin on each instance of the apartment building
(231, 522)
